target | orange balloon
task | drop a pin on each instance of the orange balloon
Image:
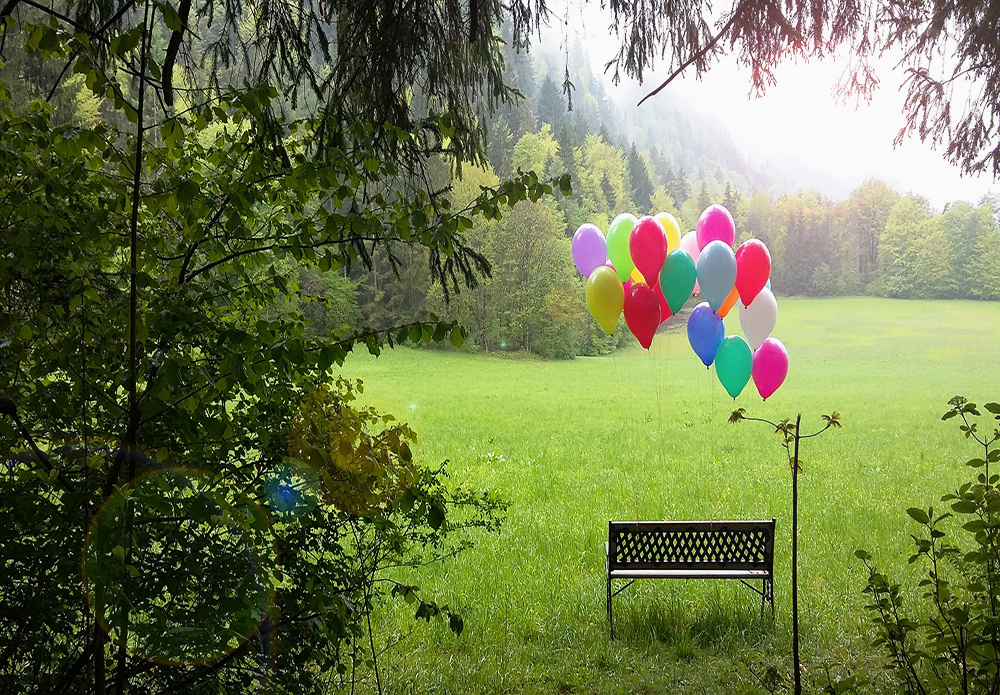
(729, 303)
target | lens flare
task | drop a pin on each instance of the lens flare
(360, 473)
(178, 567)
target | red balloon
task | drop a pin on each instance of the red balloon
(753, 268)
(642, 313)
(648, 247)
(665, 312)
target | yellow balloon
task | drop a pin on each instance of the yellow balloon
(605, 297)
(636, 276)
(673, 230)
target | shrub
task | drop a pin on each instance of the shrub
(950, 643)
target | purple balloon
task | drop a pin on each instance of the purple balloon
(590, 250)
(706, 332)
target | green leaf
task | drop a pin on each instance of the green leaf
(435, 516)
(457, 339)
(186, 191)
(170, 17)
(918, 515)
(119, 552)
(993, 408)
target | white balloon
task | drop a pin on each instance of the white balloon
(758, 319)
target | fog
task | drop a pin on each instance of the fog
(797, 126)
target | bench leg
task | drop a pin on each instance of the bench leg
(766, 596)
(611, 619)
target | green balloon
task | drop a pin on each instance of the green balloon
(733, 364)
(677, 278)
(618, 252)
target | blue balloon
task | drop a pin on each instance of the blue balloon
(706, 332)
(716, 272)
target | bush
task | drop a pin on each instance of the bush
(951, 642)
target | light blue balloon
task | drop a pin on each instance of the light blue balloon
(705, 332)
(716, 272)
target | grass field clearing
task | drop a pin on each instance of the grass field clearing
(639, 435)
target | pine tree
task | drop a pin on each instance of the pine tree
(732, 198)
(678, 187)
(642, 188)
(551, 104)
(704, 200)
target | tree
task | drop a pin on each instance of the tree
(731, 199)
(868, 209)
(551, 105)
(897, 266)
(641, 186)
(162, 394)
(985, 267)
(537, 152)
(679, 188)
(704, 200)
(603, 176)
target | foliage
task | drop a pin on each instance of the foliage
(152, 326)
(949, 643)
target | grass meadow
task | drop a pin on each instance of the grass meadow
(639, 435)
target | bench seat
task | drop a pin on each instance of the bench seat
(689, 574)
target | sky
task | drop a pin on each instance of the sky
(781, 127)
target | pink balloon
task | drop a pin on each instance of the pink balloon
(714, 224)
(648, 246)
(689, 243)
(770, 367)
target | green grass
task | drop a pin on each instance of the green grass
(641, 435)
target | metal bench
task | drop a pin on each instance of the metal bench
(742, 550)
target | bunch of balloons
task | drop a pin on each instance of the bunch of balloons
(677, 268)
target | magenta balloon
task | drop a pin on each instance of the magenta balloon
(770, 367)
(590, 250)
(714, 224)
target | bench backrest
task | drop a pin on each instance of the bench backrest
(737, 545)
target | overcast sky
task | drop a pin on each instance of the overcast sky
(782, 126)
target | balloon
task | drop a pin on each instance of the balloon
(642, 313)
(716, 273)
(758, 319)
(733, 364)
(716, 224)
(665, 312)
(689, 243)
(636, 276)
(671, 228)
(618, 242)
(648, 246)
(590, 250)
(678, 277)
(705, 332)
(605, 297)
(770, 367)
(731, 301)
(753, 269)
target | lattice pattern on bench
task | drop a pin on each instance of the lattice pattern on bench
(688, 547)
